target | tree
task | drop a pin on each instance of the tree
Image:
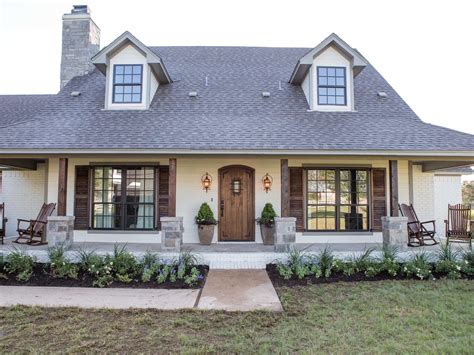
(468, 192)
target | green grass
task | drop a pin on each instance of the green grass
(388, 316)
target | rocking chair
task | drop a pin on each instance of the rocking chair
(35, 233)
(419, 233)
(459, 227)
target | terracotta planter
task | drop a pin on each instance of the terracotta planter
(205, 232)
(268, 234)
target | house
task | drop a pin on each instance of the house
(136, 130)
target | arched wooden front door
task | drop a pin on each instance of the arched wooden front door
(236, 203)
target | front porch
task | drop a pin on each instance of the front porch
(174, 187)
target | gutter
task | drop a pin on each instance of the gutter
(266, 152)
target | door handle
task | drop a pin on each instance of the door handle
(222, 208)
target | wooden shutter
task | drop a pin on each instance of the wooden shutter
(82, 197)
(296, 197)
(379, 198)
(162, 193)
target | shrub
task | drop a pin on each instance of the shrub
(467, 265)
(183, 268)
(151, 264)
(19, 263)
(326, 260)
(60, 266)
(123, 265)
(389, 260)
(418, 266)
(267, 216)
(298, 265)
(205, 215)
(448, 262)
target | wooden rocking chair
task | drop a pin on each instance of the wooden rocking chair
(419, 233)
(459, 227)
(35, 233)
(3, 221)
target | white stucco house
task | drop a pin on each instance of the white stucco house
(135, 128)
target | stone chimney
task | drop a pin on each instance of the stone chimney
(81, 41)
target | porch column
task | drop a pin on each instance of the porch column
(62, 187)
(393, 170)
(172, 188)
(285, 188)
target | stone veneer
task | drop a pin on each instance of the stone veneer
(171, 233)
(395, 231)
(60, 231)
(285, 235)
(81, 41)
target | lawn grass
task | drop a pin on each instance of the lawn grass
(382, 316)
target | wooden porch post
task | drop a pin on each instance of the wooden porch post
(285, 188)
(172, 188)
(62, 187)
(393, 170)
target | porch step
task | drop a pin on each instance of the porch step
(238, 260)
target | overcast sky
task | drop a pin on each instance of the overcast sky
(423, 48)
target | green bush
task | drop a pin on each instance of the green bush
(468, 262)
(124, 266)
(267, 216)
(205, 215)
(298, 265)
(389, 262)
(326, 261)
(183, 268)
(418, 266)
(20, 264)
(60, 266)
(449, 262)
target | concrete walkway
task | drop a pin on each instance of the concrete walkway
(82, 297)
(239, 290)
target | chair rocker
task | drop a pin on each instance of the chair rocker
(419, 233)
(459, 227)
(35, 231)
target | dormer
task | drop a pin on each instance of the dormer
(326, 74)
(133, 73)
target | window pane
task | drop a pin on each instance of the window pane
(136, 98)
(127, 89)
(340, 100)
(331, 71)
(137, 69)
(322, 71)
(340, 72)
(323, 80)
(127, 79)
(118, 69)
(312, 186)
(323, 100)
(127, 98)
(118, 98)
(340, 81)
(137, 79)
(128, 69)
(331, 100)
(118, 79)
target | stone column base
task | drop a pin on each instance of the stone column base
(60, 231)
(171, 233)
(285, 235)
(395, 231)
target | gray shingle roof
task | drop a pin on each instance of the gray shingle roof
(15, 109)
(230, 113)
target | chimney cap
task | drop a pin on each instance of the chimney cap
(80, 9)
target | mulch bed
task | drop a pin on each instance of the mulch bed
(42, 278)
(279, 281)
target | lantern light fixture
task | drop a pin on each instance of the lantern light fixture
(206, 181)
(236, 186)
(267, 182)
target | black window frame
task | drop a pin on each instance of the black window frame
(123, 203)
(114, 84)
(335, 86)
(338, 204)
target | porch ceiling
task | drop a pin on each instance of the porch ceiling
(19, 164)
(428, 166)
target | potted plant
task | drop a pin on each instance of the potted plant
(206, 222)
(267, 224)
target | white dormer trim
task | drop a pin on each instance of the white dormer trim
(102, 59)
(332, 52)
(358, 62)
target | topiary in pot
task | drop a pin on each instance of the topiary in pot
(206, 222)
(267, 224)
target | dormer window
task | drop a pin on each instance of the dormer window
(128, 84)
(332, 86)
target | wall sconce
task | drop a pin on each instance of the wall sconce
(206, 181)
(267, 182)
(236, 186)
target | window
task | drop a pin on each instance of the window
(337, 199)
(124, 198)
(127, 84)
(332, 86)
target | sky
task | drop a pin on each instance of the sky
(422, 48)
